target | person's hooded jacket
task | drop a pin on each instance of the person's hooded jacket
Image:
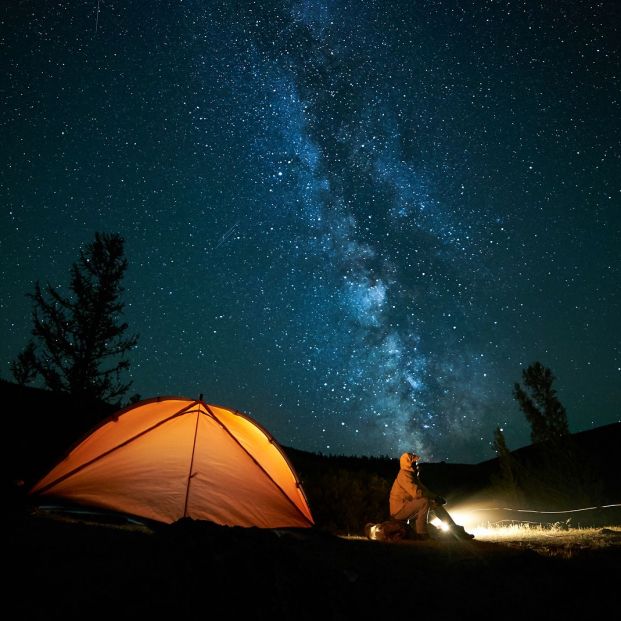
(407, 485)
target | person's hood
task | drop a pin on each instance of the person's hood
(407, 461)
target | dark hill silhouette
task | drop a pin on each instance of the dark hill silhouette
(40, 426)
(599, 446)
(344, 491)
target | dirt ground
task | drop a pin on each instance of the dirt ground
(74, 568)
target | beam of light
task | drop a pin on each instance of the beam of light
(438, 523)
(483, 520)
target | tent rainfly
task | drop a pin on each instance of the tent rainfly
(171, 457)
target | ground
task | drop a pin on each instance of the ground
(76, 567)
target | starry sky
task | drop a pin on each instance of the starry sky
(356, 221)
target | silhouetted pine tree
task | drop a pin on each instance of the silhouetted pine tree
(79, 344)
(538, 401)
(559, 474)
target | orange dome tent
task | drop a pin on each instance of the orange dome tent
(171, 457)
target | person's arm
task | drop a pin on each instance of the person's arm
(427, 493)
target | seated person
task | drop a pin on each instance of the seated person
(411, 500)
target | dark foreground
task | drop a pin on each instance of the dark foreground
(80, 569)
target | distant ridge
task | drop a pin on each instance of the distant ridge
(41, 426)
(463, 482)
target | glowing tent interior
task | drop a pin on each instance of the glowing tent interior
(171, 457)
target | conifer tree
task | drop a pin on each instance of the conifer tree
(560, 472)
(541, 406)
(79, 344)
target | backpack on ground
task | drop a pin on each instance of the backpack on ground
(390, 530)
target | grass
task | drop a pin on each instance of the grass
(555, 540)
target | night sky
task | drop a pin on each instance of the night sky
(356, 221)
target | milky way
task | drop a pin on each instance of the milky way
(355, 221)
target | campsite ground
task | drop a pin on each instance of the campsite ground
(75, 566)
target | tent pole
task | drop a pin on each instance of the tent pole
(190, 475)
(269, 439)
(45, 488)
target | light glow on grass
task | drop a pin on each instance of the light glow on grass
(477, 515)
(550, 540)
(526, 532)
